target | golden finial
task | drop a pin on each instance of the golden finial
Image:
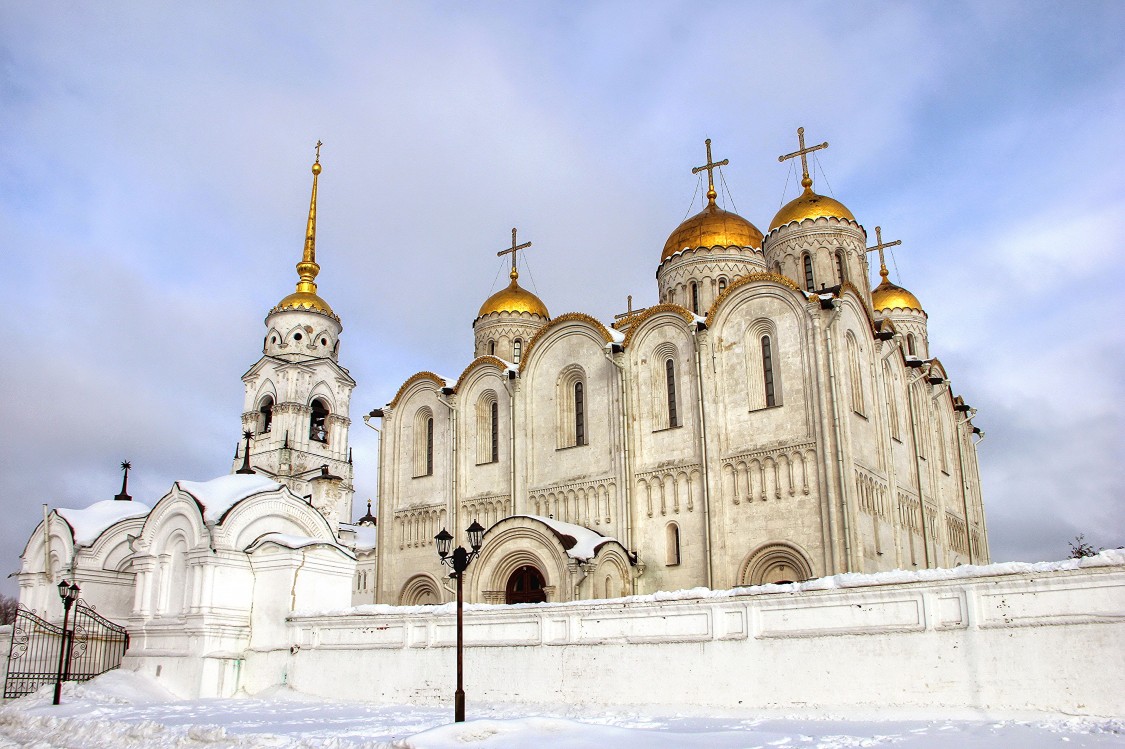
(879, 246)
(307, 269)
(514, 274)
(806, 180)
(710, 167)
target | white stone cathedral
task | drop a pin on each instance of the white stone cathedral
(771, 419)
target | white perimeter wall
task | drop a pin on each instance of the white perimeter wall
(1005, 644)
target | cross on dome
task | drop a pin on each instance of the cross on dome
(803, 152)
(512, 251)
(879, 247)
(710, 167)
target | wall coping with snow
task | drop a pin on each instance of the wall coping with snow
(1004, 640)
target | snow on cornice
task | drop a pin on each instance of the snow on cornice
(586, 541)
(217, 496)
(89, 523)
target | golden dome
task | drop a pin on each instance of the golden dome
(887, 296)
(712, 227)
(810, 205)
(304, 300)
(514, 299)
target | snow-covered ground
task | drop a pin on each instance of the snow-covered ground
(122, 710)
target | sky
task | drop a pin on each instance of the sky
(155, 187)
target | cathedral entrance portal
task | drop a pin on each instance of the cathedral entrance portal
(526, 585)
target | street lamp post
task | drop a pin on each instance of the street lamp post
(459, 560)
(68, 592)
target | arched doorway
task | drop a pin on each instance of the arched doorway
(526, 585)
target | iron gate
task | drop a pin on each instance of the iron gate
(94, 645)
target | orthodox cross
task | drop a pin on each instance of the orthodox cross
(318, 145)
(710, 167)
(513, 250)
(879, 247)
(629, 302)
(803, 153)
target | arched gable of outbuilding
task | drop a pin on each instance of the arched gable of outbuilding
(277, 511)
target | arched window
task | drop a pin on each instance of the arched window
(265, 415)
(722, 285)
(856, 375)
(910, 345)
(695, 297)
(841, 266)
(672, 544)
(571, 404)
(810, 282)
(488, 428)
(579, 414)
(424, 443)
(492, 348)
(763, 375)
(318, 430)
(670, 376)
(517, 350)
(495, 431)
(767, 371)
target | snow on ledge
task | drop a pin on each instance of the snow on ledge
(219, 495)
(291, 541)
(586, 541)
(1107, 558)
(96, 519)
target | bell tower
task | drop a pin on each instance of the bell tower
(298, 396)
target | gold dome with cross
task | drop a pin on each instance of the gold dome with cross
(711, 227)
(808, 204)
(514, 299)
(888, 296)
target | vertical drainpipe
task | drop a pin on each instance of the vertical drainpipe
(509, 385)
(705, 455)
(380, 528)
(918, 469)
(964, 494)
(833, 395)
(627, 467)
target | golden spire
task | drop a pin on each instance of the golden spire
(806, 180)
(879, 247)
(710, 167)
(307, 268)
(514, 274)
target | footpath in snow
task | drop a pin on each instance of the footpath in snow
(121, 710)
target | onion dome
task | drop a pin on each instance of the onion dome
(712, 227)
(514, 299)
(887, 296)
(305, 297)
(810, 205)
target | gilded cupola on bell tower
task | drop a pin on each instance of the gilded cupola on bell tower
(297, 396)
(509, 318)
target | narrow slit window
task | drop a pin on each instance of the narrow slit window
(767, 371)
(579, 415)
(670, 376)
(495, 431)
(695, 297)
(810, 282)
(841, 266)
(517, 351)
(430, 446)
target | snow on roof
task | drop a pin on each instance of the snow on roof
(617, 335)
(91, 522)
(586, 541)
(290, 541)
(365, 536)
(219, 495)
